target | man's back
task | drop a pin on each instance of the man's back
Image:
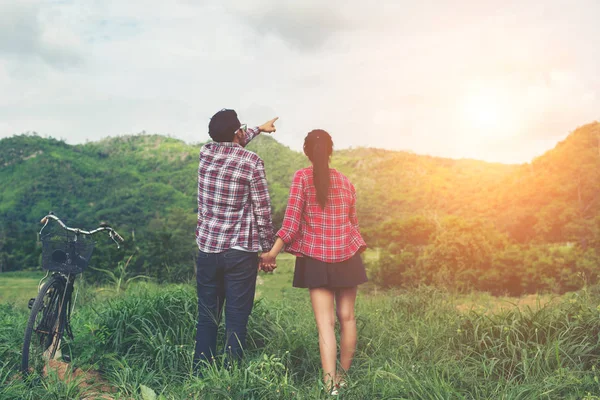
(234, 208)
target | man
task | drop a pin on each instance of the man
(234, 224)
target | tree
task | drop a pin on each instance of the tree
(416, 231)
(462, 252)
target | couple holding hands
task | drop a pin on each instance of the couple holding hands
(320, 228)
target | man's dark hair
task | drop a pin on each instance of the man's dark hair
(223, 125)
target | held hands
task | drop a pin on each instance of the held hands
(267, 262)
(267, 259)
(269, 126)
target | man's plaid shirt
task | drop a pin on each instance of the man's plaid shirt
(234, 207)
(331, 234)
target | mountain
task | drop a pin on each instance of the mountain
(146, 186)
(396, 185)
(556, 197)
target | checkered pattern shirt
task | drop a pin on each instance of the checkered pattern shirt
(331, 234)
(234, 207)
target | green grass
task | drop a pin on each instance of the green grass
(415, 344)
(19, 287)
(278, 284)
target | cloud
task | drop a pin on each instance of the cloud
(395, 74)
(305, 25)
(27, 34)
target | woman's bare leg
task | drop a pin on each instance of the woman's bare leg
(322, 303)
(345, 299)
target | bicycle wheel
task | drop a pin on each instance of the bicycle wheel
(45, 326)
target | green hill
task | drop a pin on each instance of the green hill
(555, 198)
(146, 186)
(143, 184)
(396, 185)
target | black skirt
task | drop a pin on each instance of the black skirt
(311, 273)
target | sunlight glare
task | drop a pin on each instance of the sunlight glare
(481, 111)
(486, 112)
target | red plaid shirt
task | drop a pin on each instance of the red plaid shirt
(329, 235)
(234, 207)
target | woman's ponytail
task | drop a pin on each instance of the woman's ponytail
(318, 146)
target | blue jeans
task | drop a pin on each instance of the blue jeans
(228, 277)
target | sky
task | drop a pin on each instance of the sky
(500, 81)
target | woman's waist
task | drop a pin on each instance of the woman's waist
(331, 250)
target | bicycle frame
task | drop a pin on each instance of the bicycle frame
(64, 315)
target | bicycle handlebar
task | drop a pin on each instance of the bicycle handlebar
(103, 227)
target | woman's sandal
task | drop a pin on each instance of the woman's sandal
(336, 388)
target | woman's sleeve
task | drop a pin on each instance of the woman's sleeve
(293, 212)
(353, 216)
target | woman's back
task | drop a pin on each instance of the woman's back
(329, 233)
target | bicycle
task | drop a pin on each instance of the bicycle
(65, 254)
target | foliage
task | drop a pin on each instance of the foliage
(464, 254)
(461, 253)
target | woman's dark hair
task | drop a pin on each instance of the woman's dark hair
(318, 147)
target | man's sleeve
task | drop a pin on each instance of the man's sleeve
(199, 219)
(251, 133)
(261, 206)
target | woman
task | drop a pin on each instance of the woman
(320, 227)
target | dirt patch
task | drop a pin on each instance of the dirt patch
(93, 386)
(33, 155)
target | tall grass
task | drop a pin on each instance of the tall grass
(413, 344)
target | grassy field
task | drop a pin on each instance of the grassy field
(19, 287)
(278, 284)
(416, 344)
